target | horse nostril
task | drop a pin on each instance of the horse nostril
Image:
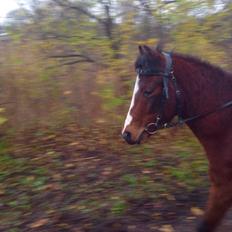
(127, 136)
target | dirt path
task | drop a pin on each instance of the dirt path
(72, 180)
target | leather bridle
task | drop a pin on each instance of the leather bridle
(168, 74)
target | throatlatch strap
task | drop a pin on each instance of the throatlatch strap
(168, 70)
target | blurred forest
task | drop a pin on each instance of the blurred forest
(66, 77)
(72, 61)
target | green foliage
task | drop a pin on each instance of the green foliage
(184, 154)
(181, 174)
(200, 166)
(2, 118)
(8, 164)
(130, 179)
(3, 147)
(118, 207)
(110, 100)
(150, 164)
(189, 172)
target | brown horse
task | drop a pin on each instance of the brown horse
(200, 95)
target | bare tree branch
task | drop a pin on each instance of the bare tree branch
(63, 57)
(76, 62)
(70, 55)
(146, 6)
(67, 4)
(6, 103)
(106, 21)
(60, 36)
(169, 1)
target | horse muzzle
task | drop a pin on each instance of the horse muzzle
(127, 136)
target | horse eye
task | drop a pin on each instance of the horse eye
(147, 93)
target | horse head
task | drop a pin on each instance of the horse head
(153, 101)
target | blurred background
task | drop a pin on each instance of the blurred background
(66, 78)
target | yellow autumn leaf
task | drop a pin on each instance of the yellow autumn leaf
(40, 222)
(167, 228)
(196, 211)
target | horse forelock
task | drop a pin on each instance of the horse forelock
(152, 61)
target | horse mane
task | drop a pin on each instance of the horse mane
(151, 59)
(215, 70)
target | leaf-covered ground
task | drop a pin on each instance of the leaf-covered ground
(78, 179)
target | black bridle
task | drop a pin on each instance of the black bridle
(167, 75)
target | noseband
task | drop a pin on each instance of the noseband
(168, 74)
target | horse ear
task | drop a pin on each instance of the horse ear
(141, 51)
(159, 47)
(148, 50)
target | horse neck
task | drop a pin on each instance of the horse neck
(203, 87)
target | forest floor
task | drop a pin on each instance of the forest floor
(89, 180)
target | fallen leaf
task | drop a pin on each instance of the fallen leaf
(153, 227)
(196, 211)
(190, 218)
(2, 192)
(146, 171)
(49, 137)
(131, 227)
(167, 228)
(77, 230)
(102, 141)
(69, 165)
(39, 223)
(67, 92)
(74, 143)
(57, 176)
(52, 186)
(105, 173)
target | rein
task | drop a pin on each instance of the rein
(153, 127)
(181, 122)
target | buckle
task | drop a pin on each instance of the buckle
(151, 128)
